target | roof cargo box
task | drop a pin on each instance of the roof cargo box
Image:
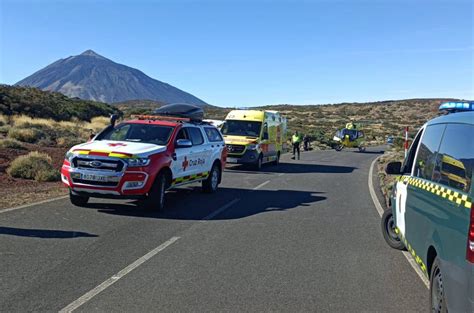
(194, 113)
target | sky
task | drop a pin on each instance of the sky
(249, 53)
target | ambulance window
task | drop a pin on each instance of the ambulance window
(265, 129)
(455, 161)
(425, 160)
(196, 136)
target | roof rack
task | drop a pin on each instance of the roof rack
(162, 118)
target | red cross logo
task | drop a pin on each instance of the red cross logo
(117, 144)
(185, 163)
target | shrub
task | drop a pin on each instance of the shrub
(4, 129)
(3, 120)
(66, 142)
(11, 143)
(30, 135)
(34, 165)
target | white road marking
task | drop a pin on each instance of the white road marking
(281, 174)
(221, 209)
(371, 188)
(31, 204)
(112, 280)
(380, 210)
(261, 185)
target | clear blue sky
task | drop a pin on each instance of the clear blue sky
(246, 53)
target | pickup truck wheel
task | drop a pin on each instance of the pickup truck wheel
(156, 196)
(211, 184)
(388, 231)
(78, 200)
(437, 296)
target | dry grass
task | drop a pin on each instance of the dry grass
(49, 132)
(35, 165)
(3, 120)
(11, 143)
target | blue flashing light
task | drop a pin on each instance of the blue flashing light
(457, 106)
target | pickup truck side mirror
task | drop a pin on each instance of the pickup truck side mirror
(393, 168)
(184, 143)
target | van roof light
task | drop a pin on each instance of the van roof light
(459, 106)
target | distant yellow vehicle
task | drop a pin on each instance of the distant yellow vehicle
(452, 173)
(254, 137)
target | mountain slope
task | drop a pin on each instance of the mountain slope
(93, 77)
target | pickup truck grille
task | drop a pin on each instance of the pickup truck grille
(235, 149)
(94, 183)
(98, 164)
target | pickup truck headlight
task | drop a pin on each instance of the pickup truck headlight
(252, 147)
(138, 162)
(69, 156)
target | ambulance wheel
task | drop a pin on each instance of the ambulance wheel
(339, 147)
(437, 296)
(211, 184)
(277, 161)
(78, 200)
(388, 231)
(258, 166)
(156, 196)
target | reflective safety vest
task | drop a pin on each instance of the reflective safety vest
(296, 139)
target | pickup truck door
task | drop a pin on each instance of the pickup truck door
(181, 166)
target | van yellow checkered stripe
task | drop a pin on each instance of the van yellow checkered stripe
(439, 190)
(189, 178)
(410, 249)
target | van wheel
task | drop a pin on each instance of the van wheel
(156, 195)
(437, 296)
(388, 231)
(78, 200)
(211, 184)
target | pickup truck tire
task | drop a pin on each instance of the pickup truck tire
(78, 200)
(437, 295)
(211, 183)
(156, 197)
(388, 231)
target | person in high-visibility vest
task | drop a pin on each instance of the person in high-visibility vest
(296, 141)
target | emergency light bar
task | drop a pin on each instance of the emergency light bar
(457, 106)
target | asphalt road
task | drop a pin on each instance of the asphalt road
(303, 236)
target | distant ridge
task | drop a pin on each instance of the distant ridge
(91, 76)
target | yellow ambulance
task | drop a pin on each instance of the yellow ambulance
(254, 137)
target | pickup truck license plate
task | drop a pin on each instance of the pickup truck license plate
(232, 160)
(93, 177)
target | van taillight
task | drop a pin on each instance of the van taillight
(470, 238)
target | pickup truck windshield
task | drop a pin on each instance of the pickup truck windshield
(241, 128)
(145, 133)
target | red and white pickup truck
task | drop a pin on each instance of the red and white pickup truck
(142, 158)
